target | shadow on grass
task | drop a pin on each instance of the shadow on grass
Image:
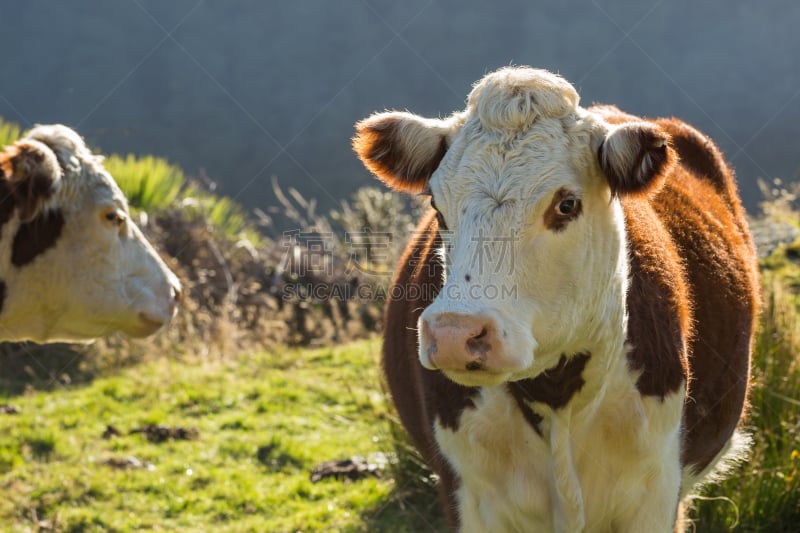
(413, 505)
(27, 365)
(407, 510)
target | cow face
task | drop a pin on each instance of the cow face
(527, 185)
(73, 264)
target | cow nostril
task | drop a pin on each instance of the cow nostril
(479, 344)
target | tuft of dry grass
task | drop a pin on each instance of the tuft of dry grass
(315, 286)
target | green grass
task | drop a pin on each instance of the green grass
(265, 421)
(225, 214)
(9, 132)
(150, 183)
(763, 493)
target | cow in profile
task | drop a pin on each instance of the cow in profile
(73, 265)
(569, 336)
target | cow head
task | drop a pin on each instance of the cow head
(528, 186)
(73, 265)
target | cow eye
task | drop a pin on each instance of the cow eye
(568, 206)
(114, 216)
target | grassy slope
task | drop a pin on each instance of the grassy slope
(305, 406)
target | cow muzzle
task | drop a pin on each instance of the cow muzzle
(472, 344)
(157, 309)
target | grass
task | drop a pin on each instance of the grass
(150, 183)
(264, 422)
(9, 132)
(763, 494)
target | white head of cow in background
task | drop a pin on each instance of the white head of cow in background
(73, 265)
(526, 183)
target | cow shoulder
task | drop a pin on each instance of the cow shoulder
(711, 235)
(697, 153)
(658, 303)
(421, 396)
(419, 278)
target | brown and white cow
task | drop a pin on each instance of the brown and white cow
(73, 265)
(582, 361)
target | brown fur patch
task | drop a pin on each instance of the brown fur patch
(30, 175)
(554, 387)
(379, 147)
(705, 223)
(722, 276)
(421, 396)
(697, 153)
(658, 304)
(36, 237)
(7, 204)
(644, 168)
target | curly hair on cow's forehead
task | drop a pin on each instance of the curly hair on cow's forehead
(513, 98)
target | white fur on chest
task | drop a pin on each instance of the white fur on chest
(618, 469)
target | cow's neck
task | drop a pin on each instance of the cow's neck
(28, 323)
(565, 402)
(29, 310)
(578, 376)
(576, 386)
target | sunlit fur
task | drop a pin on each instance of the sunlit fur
(99, 277)
(610, 460)
(522, 140)
(495, 181)
(403, 149)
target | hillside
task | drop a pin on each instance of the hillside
(239, 434)
(263, 421)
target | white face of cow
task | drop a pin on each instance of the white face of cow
(527, 184)
(73, 265)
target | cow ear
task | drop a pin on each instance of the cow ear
(635, 158)
(403, 150)
(32, 173)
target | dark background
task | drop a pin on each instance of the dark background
(245, 90)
